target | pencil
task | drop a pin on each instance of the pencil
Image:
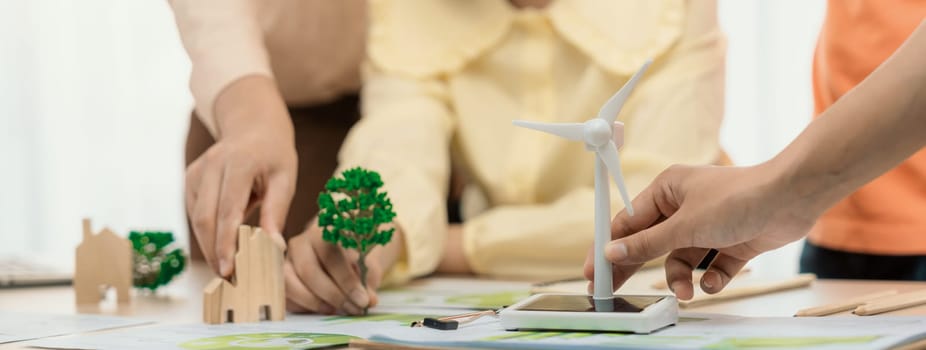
(844, 305)
(897, 302)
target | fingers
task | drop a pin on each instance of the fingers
(679, 266)
(650, 232)
(374, 280)
(647, 244)
(619, 273)
(588, 269)
(299, 295)
(646, 235)
(651, 207)
(276, 201)
(721, 271)
(234, 195)
(295, 308)
(309, 271)
(374, 275)
(203, 184)
(341, 271)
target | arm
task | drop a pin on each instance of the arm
(225, 43)
(405, 136)
(872, 129)
(746, 211)
(253, 161)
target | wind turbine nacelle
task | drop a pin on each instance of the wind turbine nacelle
(597, 134)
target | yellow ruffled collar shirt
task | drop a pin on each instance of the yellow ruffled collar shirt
(445, 78)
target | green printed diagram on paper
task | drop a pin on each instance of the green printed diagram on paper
(268, 341)
(487, 300)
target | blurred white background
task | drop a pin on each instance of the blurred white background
(93, 111)
(94, 108)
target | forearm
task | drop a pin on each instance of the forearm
(404, 135)
(249, 103)
(225, 42)
(454, 259)
(867, 132)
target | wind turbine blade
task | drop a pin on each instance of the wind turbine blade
(608, 155)
(572, 131)
(611, 108)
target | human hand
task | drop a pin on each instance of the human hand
(324, 278)
(252, 163)
(740, 211)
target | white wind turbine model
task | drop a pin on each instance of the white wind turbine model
(598, 135)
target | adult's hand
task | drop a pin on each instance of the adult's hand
(252, 163)
(324, 278)
(743, 212)
(740, 211)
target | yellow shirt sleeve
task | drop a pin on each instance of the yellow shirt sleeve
(673, 117)
(405, 136)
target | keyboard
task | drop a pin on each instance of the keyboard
(25, 272)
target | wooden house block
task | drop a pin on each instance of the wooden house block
(256, 292)
(103, 261)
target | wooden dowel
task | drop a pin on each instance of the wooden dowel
(897, 302)
(845, 305)
(798, 281)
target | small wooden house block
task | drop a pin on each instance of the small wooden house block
(256, 292)
(103, 260)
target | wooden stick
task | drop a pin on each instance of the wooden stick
(845, 305)
(897, 302)
(661, 283)
(798, 281)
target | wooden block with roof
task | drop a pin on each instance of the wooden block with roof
(102, 261)
(256, 291)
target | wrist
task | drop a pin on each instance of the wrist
(790, 185)
(252, 104)
(454, 258)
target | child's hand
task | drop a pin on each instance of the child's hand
(253, 162)
(322, 277)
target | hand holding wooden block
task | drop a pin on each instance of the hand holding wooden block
(256, 291)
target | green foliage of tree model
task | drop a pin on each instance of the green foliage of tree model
(351, 209)
(154, 265)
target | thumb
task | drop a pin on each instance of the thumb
(645, 245)
(275, 206)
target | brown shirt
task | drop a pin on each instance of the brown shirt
(312, 48)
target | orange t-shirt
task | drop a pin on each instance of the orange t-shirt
(888, 215)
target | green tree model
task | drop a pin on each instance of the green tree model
(351, 209)
(153, 264)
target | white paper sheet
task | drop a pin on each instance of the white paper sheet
(296, 332)
(693, 332)
(19, 326)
